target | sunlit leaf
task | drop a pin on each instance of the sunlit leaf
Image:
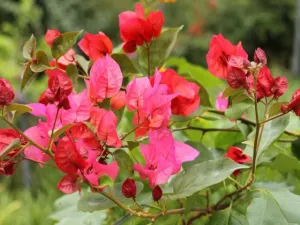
(62, 44)
(26, 75)
(18, 108)
(42, 62)
(202, 175)
(29, 48)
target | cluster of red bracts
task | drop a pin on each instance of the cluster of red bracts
(8, 163)
(230, 62)
(141, 30)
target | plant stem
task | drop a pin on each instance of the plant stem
(154, 216)
(257, 130)
(253, 123)
(44, 163)
(52, 132)
(205, 129)
(271, 118)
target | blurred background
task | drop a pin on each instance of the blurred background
(27, 198)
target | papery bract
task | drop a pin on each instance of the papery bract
(6, 92)
(135, 29)
(105, 79)
(59, 84)
(7, 167)
(163, 156)
(135, 92)
(279, 87)
(265, 81)
(260, 56)
(94, 170)
(118, 101)
(220, 51)
(68, 184)
(236, 77)
(65, 60)
(67, 157)
(105, 123)
(79, 111)
(188, 99)
(39, 134)
(7, 135)
(95, 45)
(221, 103)
(156, 110)
(236, 154)
(51, 35)
(294, 104)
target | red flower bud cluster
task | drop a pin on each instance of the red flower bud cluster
(293, 105)
(236, 154)
(6, 92)
(230, 62)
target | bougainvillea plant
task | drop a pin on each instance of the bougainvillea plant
(135, 128)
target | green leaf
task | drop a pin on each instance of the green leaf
(29, 48)
(95, 201)
(62, 44)
(132, 144)
(274, 208)
(275, 108)
(232, 91)
(83, 63)
(26, 75)
(61, 130)
(202, 175)
(244, 128)
(18, 108)
(104, 181)
(272, 132)
(199, 73)
(240, 98)
(42, 62)
(66, 213)
(237, 110)
(160, 50)
(285, 163)
(126, 65)
(204, 155)
(14, 144)
(228, 216)
(72, 73)
(124, 161)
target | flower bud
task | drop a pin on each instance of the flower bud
(260, 56)
(118, 101)
(157, 193)
(284, 108)
(7, 167)
(51, 35)
(6, 92)
(129, 188)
